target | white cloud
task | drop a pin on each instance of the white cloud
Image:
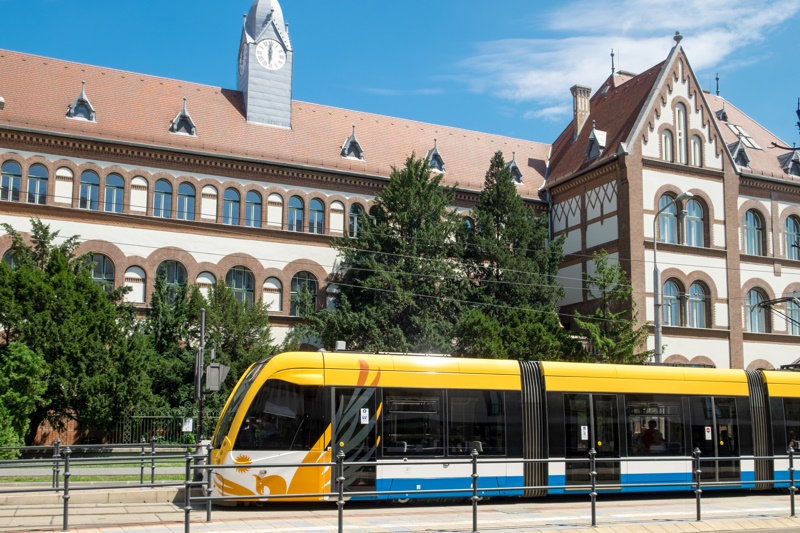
(640, 32)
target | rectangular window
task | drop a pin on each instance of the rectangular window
(654, 424)
(113, 199)
(10, 188)
(477, 421)
(791, 410)
(413, 423)
(185, 207)
(37, 191)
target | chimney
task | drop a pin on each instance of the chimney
(580, 107)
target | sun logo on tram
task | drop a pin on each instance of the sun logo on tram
(242, 460)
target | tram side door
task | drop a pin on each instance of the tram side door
(715, 432)
(592, 421)
(354, 430)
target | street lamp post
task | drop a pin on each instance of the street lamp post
(657, 274)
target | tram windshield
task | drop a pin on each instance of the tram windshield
(236, 401)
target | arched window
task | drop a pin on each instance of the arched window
(672, 304)
(162, 200)
(103, 271)
(174, 277)
(295, 214)
(230, 207)
(354, 228)
(697, 306)
(115, 189)
(694, 223)
(793, 312)
(668, 220)
(90, 190)
(666, 145)
(792, 238)
(697, 151)
(680, 131)
(316, 216)
(302, 282)
(11, 174)
(37, 185)
(252, 210)
(240, 280)
(185, 202)
(754, 316)
(273, 294)
(8, 258)
(753, 233)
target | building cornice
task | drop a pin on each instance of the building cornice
(682, 169)
(767, 183)
(585, 176)
(687, 250)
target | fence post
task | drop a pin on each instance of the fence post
(340, 481)
(593, 476)
(209, 475)
(67, 453)
(153, 460)
(697, 483)
(141, 462)
(187, 487)
(792, 488)
(56, 462)
(474, 455)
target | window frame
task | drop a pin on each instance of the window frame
(89, 195)
(695, 224)
(792, 238)
(186, 202)
(295, 214)
(103, 271)
(299, 281)
(355, 212)
(697, 298)
(252, 209)
(754, 229)
(114, 200)
(162, 199)
(243, 293)
(668, 219)
(752, 310)
(230, 206)
(667, 146)
(671, 304)
(10, 181)
(35, 184)
(316, 216)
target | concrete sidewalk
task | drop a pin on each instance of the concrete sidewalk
(161, 511)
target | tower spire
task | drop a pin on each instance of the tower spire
(717, 83)
(612, 61)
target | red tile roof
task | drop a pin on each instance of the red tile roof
(614, 112)
(763, 162)
(137, 108)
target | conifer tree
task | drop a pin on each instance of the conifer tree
(512, 267)
(399, 285)
(611, 329)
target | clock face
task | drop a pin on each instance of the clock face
(242, 58)
(270, 54)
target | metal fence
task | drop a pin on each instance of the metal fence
(198, 473)
(166, 427)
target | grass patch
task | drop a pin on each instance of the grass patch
(87, 478)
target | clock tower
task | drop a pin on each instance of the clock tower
(264, 74)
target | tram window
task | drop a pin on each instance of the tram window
(654, 424)
(233, 407)
(279, 418)
(476, 421)
(414, 422)
(791, 409)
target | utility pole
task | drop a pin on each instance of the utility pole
(198, 376)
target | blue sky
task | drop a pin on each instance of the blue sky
(502, 67)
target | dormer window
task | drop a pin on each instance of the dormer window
(512, 166)
(790, 163)
(722, 115)
(596, 144)
(81, 108)
(351, 149)
(435, 158)
(183, 123)
(739, 152)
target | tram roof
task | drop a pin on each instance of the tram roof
(782, 384)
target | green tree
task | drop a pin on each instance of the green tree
(22, 385)
(512, 266)
(612, 329)
(85, 333)
(399, 286)
(239, 331)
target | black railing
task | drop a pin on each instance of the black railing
(198, 472)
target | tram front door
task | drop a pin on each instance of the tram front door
(355, 434)
(591, 422)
